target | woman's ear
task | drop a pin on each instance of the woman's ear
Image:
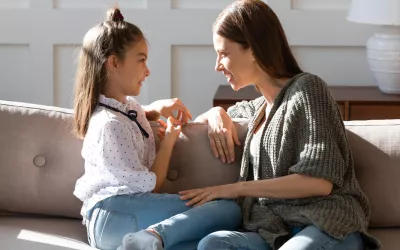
(112, 63)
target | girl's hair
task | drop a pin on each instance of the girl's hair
(111, 37)
(254, 25)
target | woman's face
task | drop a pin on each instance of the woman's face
(236, 63)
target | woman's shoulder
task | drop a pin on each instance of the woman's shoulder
(307, 87)
(308, 82)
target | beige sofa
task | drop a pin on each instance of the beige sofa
(40, 162)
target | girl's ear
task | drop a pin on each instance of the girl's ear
(112, 63)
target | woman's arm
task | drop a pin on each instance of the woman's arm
(292, 186)
(205, 116)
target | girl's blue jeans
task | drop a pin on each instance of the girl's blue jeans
(180, 227)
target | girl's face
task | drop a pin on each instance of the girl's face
(129, 73)
(236, 63)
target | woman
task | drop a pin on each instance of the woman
(297, 185)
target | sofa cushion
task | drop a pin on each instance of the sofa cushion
(389, 237)
(376, 150)
(42, 234)
(206, 170)
(62, 234)
(40, 160)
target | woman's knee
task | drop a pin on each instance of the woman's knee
(216, 240)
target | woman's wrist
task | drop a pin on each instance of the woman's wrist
(217, 110)
(238, 188)
(211, 112)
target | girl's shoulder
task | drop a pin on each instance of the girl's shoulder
(104, 120)
(133, 103)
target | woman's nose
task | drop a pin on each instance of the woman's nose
(217, 66)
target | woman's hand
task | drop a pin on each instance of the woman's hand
(166, 109)
(200, 196)
(222, 135)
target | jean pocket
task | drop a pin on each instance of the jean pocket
(111, 227)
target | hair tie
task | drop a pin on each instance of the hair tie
(120, 17)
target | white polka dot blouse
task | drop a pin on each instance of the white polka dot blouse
(117, 155)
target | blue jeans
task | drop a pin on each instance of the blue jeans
(310, 238)
(181, 227)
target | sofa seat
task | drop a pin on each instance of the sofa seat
(30, 233)
(389, 237)
(27, 233)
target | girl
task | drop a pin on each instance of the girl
(123, 171)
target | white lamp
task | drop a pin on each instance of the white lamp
(383, 48)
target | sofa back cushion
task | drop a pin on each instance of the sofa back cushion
(40, 160)
(376, 150)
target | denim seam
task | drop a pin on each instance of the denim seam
(94, 220)
(328, 244)
(240, 247)
(160, 230)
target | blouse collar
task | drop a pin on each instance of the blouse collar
(124, 107)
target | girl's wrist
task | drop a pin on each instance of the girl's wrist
(151, 113)
(168, 142)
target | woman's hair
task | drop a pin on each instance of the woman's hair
(111, 37)
(254, 25)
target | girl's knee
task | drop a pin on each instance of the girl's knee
(229, 204)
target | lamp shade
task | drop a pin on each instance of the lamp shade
(381, 12)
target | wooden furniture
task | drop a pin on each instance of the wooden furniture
(356, 103)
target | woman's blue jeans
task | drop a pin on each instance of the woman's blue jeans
(180, 227)
(309, 238)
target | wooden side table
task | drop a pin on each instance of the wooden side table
(356, 103)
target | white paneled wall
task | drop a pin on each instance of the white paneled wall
(40, 42)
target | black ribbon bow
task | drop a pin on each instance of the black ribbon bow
(132, 115)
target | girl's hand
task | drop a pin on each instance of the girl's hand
(161, 132)
(171, 132)
(200, 196)
(167, 107)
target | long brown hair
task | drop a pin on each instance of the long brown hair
(254, 25)
(111, 37)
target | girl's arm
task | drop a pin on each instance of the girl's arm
(161, 163)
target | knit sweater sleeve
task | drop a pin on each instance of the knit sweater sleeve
(245, 109)
(322, 149)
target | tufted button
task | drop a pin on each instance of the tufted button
(39, 161)
(172, 175)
